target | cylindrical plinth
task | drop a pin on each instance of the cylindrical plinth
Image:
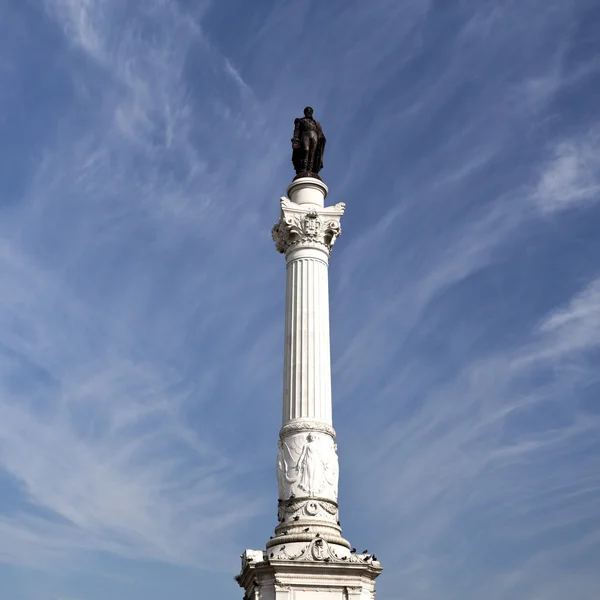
(307, 190)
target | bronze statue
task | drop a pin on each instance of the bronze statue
(308, 145)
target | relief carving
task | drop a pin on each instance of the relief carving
(321, 509)
(319, 550)
(307, 466)
(298, 226)
(312, 224)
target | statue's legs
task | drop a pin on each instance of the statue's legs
(306, 148)
(310, 141)
(313, 147)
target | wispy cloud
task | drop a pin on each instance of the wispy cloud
(98, 442)
(571, 176)
(494, 450)
(141, 303)
(95, 426)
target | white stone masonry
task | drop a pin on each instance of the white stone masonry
(307, 557)
(307, 462)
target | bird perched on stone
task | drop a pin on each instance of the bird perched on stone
(296, 518)
(353, 550)
(364, 551)
(306, 528)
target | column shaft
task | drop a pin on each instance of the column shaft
(307, 368)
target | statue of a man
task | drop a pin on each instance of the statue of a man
(308, 145)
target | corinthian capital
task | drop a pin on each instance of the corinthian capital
(307, 226)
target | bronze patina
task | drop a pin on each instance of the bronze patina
(308, 146)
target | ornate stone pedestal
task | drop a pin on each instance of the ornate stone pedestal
(307, 558)
(311, 578)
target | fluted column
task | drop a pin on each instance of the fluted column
(307, 368)
(307, 557)
(307, 462)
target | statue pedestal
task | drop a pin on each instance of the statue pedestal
(307, 579)
(307, 558)
(307, 190)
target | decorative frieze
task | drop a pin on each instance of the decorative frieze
(304, 426)
(320, 550)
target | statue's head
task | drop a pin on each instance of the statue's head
(308, 112)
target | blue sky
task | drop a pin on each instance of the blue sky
(144, 147)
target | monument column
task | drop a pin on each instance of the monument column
(307, 558)
(307, 462)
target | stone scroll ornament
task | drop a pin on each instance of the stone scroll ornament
(308, 145)
(319, 550)
(308, 469)
(299, 226)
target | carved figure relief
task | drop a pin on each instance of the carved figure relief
(310, 468)
(281, 469)
(307, 466)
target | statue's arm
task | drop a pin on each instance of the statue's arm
(296, 138)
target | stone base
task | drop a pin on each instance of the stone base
(302, 520)
(306, 189)
(315, 574)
